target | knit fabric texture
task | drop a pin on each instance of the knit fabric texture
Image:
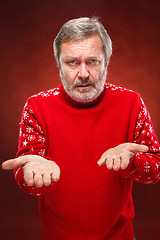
(89, 201)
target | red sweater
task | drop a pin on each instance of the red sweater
(88, 202)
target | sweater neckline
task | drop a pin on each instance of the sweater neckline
(77, 104)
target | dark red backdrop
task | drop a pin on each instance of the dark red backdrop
(27, 67)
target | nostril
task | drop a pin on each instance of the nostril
(83, 74)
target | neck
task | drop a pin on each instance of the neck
(77, 104)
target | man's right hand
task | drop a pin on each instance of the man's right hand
(37, 170)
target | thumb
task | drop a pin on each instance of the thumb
(14, 163)
(138, 148)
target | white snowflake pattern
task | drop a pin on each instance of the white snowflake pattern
(41, 139)
(136, 135)
(25, 115)
(51, 92)
(31, 137)
(148, 133)
(150, 128)
(145, 112)
(42, 152)
(30, 111)
(153, 148)
(147, 167)
(20, 132)
(29, 130)
(146, 124)
(139, 124)
(38, 194)
(143, 131)
(114, 87)
(139, 115)
(56, 93)
(39, 127)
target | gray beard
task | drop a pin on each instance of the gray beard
(84, 97)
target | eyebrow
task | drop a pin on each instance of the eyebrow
(67, 58)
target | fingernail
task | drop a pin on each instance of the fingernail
(109, 166)
(56, 178)
(99, 163)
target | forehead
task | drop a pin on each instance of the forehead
(91, 45)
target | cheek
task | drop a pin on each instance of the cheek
(101, 72)
(70, 75)
(95, 74)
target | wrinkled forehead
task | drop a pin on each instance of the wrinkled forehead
(91, 45)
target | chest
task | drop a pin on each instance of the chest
(79, 132)
(76, 140)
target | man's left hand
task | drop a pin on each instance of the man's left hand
(118, 157)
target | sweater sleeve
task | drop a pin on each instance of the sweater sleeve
(31, 141)
(144, 167)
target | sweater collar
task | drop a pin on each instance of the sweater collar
(77, 104)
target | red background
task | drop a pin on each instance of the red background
(27, 67)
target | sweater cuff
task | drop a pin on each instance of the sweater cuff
(133, 166)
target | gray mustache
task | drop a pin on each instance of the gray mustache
(81, 81)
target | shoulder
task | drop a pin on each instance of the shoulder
(122, 92)
(46, 94)
(42, 98)
(123, 97)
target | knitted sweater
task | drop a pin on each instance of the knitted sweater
(88, 202)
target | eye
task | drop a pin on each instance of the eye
(72, 62)
(93, 62)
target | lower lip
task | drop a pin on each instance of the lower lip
(84, 88)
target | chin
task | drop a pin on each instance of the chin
(84, 97)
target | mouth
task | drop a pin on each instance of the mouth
(84, 88)
(84, 85)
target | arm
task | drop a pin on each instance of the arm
(136, 161)
(34, 170)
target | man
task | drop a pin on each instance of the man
(76, 128)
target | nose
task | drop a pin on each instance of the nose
(83, 72)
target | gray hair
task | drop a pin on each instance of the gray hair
(81, 28)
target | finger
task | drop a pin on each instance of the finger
(46, 179)
(14, 163)
(28, 177)
(134, 147)
(38, 181)
(109, 163)
(101, 161)
(55, 176)
(116, 164)
(124, 162)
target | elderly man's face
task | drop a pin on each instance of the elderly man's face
(82, 68)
